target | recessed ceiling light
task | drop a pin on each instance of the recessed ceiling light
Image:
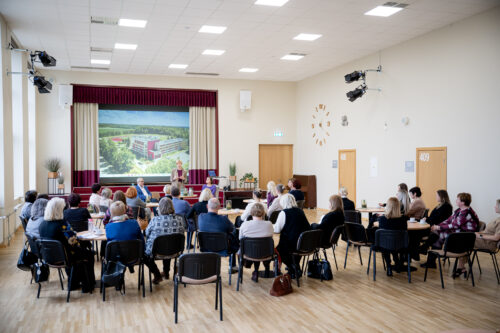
(248, 70)
(121, 46)
(308, 37)
(178, 66)
(132, 23)
(276, 3)
(100, 62)
(293, 56)
(211, 29)
(383, 11)
(213, 52)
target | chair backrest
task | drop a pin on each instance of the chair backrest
(392, 240)
(459, 242)
(426, 213)
(337, 232)
(274, 216)
(355, 232)
(300, 204)
(138, 212)
(353, 216)
(103, 208)
(481, 226)
(199, 266)
(168, 245)
(24, 222)
(257, 248)
(212, 241)
(309, 240)
(32, 241)
(52, 252)
(127, 252)
(78, 226)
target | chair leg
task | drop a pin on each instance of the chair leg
(103, 289)
(470, 269)
(375, 264)
(359, 252)
(369, 261)
(176, 298)
(69, 283)
(188, 243)
(296, 270)
(409, 267)
(150, 283)
(39, 288)
(495, 264)
(478, 264)
(220, 297)
(425, 274)
(230, 267)
(455, 267)
(334, 257)
(240, 278)
(305, 263)
(324, 253)
(60, 278)
(217, 293)
(346, 251)
(441, 272)
(143, 284)
(195, 241)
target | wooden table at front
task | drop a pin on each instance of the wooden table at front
(224, 211)
(371, 210)
(412, 225)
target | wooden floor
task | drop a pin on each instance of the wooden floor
(352, 302)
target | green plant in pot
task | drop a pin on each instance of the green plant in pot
(60, 182)
(232, 171)
(248, 178)
(53, 165)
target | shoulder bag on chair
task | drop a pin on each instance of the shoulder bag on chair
(143, 221)
(282, 284)
(26, 259)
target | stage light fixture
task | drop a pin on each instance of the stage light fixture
(43, 85)
(46, 59)
(356, 93)
(354, 76)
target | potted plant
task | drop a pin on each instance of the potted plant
(60, 182)
(232, 171)
(248, 178)
(53, 165)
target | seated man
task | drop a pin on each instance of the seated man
(181, 207)
(142, 191)
(212, 222)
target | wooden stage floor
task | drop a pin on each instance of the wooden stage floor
(352, 302)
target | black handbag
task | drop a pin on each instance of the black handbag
(41, 272)
(26, 260)
(113, 274)
(319, 269)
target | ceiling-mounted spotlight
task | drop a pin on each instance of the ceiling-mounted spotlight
(46, 59)
(43, 85)
(354, 76)
(356, 93)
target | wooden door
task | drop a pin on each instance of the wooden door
(347, 172)
(275, 163)
(431, 173)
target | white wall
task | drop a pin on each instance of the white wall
(273, 106)
(446, 82)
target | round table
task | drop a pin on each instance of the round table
(264, 202)
(371, 210)
(92, 237)
(224, 211)
(412, 225)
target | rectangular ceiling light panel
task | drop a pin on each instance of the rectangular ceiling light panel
(211, 29)
(308, 37)
(132, 23)
(214, 52)
(122, 46)
(383, 11)
(275, 3)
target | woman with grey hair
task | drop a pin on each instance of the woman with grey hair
(81, 260)
(37, 212)
(106, 197)
(166, 223)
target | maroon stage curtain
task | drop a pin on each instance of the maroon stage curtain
(85, 177)
(143, 96)
(198, 176)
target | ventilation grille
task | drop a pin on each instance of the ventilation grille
(205, 74)
(103, 20)
(90, 68)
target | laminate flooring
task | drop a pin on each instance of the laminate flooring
(352, 302)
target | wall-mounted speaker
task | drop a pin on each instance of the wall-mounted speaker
(245, 100)
(65, 95)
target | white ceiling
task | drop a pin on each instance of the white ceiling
(256, 36)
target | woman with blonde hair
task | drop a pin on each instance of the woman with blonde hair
(392, 220)
(331, 220)
(272, 193)
(106, 197)
(201, 206)
(404, 198)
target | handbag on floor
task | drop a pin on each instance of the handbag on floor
(282, 284)
(319, 269)
(41, 272)
(26, 259)
(113, 274)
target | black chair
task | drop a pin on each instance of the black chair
(216, 242)
(167, 247)
(356, 235)
(308, 243)
(391, 241)
(256, 249)
(300, 204)
(138, 212)
(339, 230)
(34, 247)
(54, 255)
(456, 245)
(24, 222)
(353, 216)
(190, 235)
(129, 253)
(78, 226)
(274, 216)
(196, 269)
(493, 258)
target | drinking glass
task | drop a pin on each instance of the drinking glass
(229, 204)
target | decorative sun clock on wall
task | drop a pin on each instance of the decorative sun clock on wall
(321, 124)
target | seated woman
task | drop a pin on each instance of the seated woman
(272, 193)
(290, 224)
(95, 198)
(404, 202)
(167, 189)
(210, 185)
(417, 205)
(37, 213)
(29, 199)
(54, 227)
(75, 213)
(392, 220)
(295, 185)
(118, 196)
(106, 197)
(133, 200)
(201, 206)
(331, 220)
(257, 228)
(442, 211)
(257, 196)
(464, 219)
(123, 229)
(165, 223)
